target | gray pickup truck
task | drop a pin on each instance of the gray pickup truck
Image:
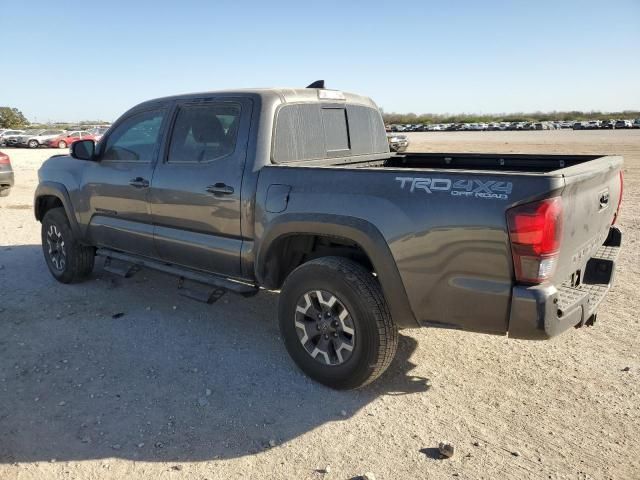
(296, 190)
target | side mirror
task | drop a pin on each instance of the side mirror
(83, 150)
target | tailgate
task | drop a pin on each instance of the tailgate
(590, 201)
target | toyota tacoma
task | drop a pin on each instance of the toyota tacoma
(296, 190)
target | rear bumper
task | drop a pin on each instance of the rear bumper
(544, 311)
(6, 179)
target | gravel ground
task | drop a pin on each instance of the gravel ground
(177, 389)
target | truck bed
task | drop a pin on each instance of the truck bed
(480, 162)
(488, 161)
(444, 218)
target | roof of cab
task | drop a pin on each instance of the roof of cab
(279, 95)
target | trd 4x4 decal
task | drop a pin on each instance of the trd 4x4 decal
(458, 188)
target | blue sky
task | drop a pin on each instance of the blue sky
(93, 60)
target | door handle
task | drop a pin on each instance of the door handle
(220, 189)
(139, 182)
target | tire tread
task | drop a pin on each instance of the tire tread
(368, 289)
(81, 258)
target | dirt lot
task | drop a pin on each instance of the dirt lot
(178, 389)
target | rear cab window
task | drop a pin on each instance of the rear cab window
(314, 131)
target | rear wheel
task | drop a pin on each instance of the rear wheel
(336, 324)
(33, 144)
(62, 144)
(67, 259)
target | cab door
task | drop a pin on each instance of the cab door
(116, 186)
(195, 194)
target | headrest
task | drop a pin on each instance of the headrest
(205, 126)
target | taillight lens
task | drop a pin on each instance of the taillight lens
(535, 231)
(4, 159)
(615, 215)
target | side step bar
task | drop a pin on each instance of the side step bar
(212, 280)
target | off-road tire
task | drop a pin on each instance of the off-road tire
(376, 335)
(78, 259)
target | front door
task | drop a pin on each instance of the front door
(116, 186)
(195, 193)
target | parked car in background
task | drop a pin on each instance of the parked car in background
(594, 124)
(6, 175)
(608, 124)
(624, 124)
(397, 143)
(12, 140)
(8, 133)
(63, 141)
(578, 126)
(39, 139)
(636, 123)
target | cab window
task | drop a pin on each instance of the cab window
(135, 139)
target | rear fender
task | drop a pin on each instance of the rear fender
(356, 230)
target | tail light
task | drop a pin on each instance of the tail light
(4, 159)
(535, 231)
(615, 215)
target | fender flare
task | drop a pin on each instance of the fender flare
(58, 190)
(356, 230)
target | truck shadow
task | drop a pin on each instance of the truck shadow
(128, 368)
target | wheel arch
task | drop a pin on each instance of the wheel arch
(52, 195)
(288, 236)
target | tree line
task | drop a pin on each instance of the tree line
(13, 118)
(575, 115)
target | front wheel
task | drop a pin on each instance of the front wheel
(67, 259)
(62, 144)
(336, 324)
(33, 144)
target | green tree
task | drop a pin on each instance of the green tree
(12, 118)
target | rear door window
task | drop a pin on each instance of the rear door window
(204, 133)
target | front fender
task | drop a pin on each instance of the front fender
(59, 191)
(356, 230)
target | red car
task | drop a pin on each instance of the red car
(63, 141)
(6, 175)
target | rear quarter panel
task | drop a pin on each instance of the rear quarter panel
(452, 251)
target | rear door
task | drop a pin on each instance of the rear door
(195, 194)
(116, 186)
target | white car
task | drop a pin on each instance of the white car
(624, 124)
(4, 134)
(98, 132)
(36, 140)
